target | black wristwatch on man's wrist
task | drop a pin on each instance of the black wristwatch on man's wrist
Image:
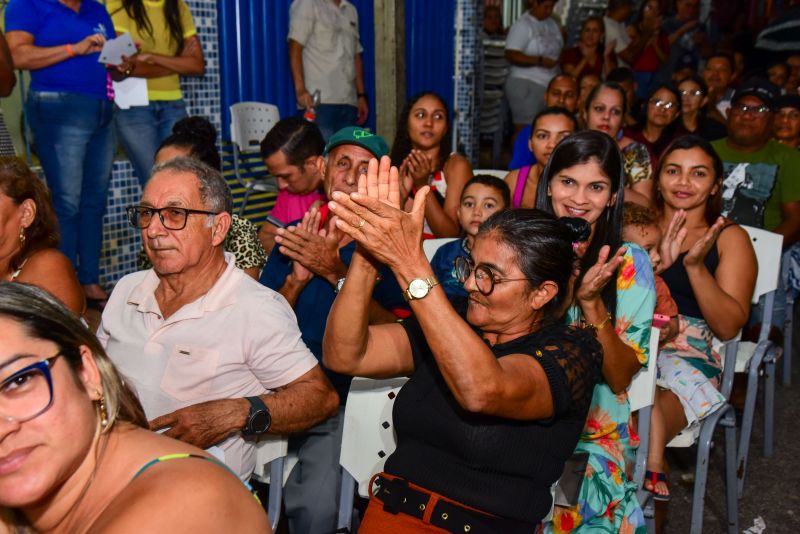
(259, 419)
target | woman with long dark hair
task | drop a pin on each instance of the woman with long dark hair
(614, 296)
(590, 54)
(710, 269)
(169, 49)
(422, 152)
(694, 109)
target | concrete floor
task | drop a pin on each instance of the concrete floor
(772, 486)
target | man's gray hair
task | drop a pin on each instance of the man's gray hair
(214, 191)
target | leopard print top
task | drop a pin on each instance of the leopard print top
(242, 241)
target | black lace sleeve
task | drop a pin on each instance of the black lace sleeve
(573, 361)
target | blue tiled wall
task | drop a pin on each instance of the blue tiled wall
(121, 243)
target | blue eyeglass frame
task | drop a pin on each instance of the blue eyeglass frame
(44, 367)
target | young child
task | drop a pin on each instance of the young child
(639, 226)
(482, 196)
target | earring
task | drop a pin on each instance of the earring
(101, 402)
(22, 236)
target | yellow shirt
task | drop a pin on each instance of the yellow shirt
(165, 87)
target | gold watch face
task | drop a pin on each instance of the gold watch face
(418, 288)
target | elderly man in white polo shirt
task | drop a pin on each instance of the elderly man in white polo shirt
(214, 356)
(325, 56)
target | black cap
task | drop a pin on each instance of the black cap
(787, 101)
(759, 88)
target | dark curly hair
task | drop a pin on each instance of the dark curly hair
(19, 183)
(197, 135)
(402, 141)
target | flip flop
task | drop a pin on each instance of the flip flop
(653, 478)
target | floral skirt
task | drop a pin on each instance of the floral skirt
(691, 369)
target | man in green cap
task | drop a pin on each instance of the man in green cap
(308, 266)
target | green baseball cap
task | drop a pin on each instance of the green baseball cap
(354, 135)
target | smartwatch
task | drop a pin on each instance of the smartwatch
(259, 419)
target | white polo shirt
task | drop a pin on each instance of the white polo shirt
(238, 340)
(329, 35)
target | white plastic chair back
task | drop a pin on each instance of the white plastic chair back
(368, 437)
(250, 122)
(768, 252)
(497, 173)
(268, 448)
(642, 391)
(430, 246)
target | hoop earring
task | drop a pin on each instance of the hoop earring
(101, 405)
(22, 236)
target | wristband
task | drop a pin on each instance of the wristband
(70, 51)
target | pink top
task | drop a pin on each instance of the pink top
(290, 206)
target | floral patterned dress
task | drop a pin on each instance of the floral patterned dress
(607, 499)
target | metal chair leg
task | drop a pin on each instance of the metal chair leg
(731, 488)
(788, 330)
(769, 402)
(749, 412)
(275, 491)
(345, 520)
(700, 480)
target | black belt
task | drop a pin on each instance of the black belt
(398, 497)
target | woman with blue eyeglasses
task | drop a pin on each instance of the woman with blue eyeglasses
(75, 452)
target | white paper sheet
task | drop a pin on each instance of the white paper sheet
(131, 92)
(114, 49)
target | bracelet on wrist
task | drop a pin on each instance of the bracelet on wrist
(596, 327)
(70, 51)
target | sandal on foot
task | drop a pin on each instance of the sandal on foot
(655, 477)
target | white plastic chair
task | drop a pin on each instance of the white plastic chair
(271, 453)
(497, 173)
(641, 395)
(368, 438)
(430, 246)
(250, 122)
(750, 356)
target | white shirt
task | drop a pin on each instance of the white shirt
(618, 32)
(534, 37)
(240, 339)
(329, 36)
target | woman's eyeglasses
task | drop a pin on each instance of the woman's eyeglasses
(663, 104)
(27, 392)
(485, 279)
(697, 93)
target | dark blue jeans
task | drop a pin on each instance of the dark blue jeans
(333, 117)
(73, 137)
(141, 129)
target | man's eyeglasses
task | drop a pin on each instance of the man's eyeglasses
(697, 93)
(485, 279)
(742, 109)
(28, 392)
(172, 218)
(663, 104)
